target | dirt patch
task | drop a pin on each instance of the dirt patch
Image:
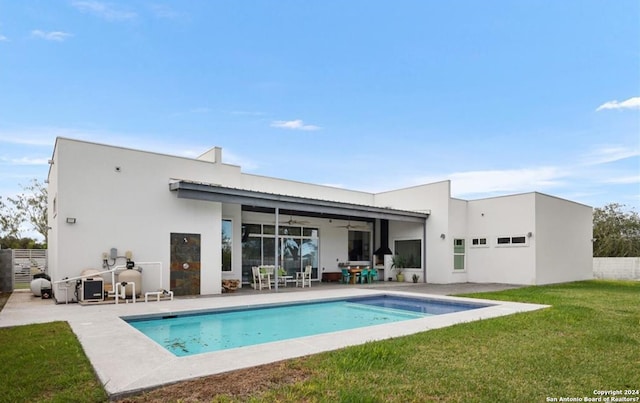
(240, 384)
(4, 297)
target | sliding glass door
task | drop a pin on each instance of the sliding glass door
(298, 248)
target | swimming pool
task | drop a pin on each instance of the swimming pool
(208, 331)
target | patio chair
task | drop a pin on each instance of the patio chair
(373, 275)
(268, 271)
(304, 277)
(260, 279)
(364, 276)
(346, 276)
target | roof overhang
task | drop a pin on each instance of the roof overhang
(317, 207)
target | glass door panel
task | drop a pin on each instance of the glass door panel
(290, 257)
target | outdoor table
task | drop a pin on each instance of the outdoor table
(353, 271)
(285, 279)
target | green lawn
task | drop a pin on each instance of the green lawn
(45, 363)
(589, 339)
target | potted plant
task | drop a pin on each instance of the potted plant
(399, 263)
(415, 278)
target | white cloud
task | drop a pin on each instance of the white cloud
(495, 182)
(293, 125)
(36, 136)
(510, 180)
(623, 180)
(3, 38)
(104, 10)
(57, 36)
(631, 103)
(608, 154)
(25, 161)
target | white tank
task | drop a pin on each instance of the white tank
(38, 284)
(131, 275)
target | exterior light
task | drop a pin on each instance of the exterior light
(442, 236)
(71, 220)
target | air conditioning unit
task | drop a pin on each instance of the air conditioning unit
(92, 289)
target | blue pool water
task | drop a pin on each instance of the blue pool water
(191, 334)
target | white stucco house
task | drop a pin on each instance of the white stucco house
(205, 221)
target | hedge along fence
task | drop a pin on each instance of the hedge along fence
(616, 268)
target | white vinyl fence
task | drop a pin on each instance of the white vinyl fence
(26, 263)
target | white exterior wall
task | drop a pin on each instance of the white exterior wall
(132, 209)
(497, 217)
(292, 188)
(563, 238)
(432, 197)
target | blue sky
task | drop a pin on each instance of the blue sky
(500, 97)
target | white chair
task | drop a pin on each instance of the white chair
(304, 277)
(260, 279)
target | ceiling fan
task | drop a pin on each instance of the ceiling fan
(350, 227)
(296, 222)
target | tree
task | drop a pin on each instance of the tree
(10, 220)
(616, 232)
(30, 207)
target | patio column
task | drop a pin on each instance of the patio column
(275, 271)
(424, 251)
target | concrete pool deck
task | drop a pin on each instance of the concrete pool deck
(126, 361)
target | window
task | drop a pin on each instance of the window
(227, 244)
(519, 240)
(458, 254)
(411, 251)
(359, 245)
(479, 242)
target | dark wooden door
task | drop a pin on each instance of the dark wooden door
(185, 264)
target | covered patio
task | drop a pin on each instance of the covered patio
(284, 230)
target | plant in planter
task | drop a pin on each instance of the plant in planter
(399, 263)
(415, 278)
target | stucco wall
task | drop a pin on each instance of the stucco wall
(505, 216)
(562, 235)
(616, 268)
(120, 199)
